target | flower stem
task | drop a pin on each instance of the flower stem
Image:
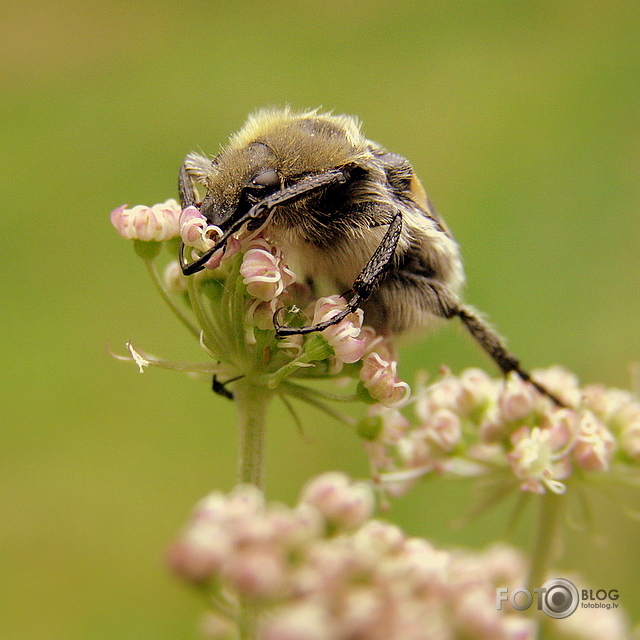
(251, 402)
(546, 539)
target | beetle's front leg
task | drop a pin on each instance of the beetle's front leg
(363, 285)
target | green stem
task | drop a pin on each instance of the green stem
(210, 333)
(153, 272)
(545, 542)
(311, 396)
(251, 401)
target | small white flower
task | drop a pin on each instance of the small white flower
(535, 461)
(141, 361)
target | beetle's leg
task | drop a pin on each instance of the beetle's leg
(186, 188)
(491, 341)
(188, 195)
(221, 387)
(363, 285)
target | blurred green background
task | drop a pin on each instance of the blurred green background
(523, 121)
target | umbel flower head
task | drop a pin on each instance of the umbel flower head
(475, 425)
(231, 305)
(156, 223)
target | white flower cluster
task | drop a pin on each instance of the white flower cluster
(472, 424)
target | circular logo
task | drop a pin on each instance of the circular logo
(560, 598)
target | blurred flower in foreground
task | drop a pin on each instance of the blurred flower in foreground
(324, 570)
(476, 425)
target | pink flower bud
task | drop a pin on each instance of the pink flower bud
(156, 223)
(199, 554)
(560, 382)
(379, 538)
(362, 611)
(517, 400)
(196, 231)
(264, 274)
(256, 573)
(444, 429)
(295, 527)
(475, 616)
(492, 429)
(504, 564)
(210, 509)
(245, 501)
(380, 379)
(418, 566)
(342, 337)
(416, 450)
(478, 389)
(561, 424)
(442, 394)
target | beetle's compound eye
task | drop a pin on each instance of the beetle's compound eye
(268, 179)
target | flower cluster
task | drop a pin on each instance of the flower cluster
(249, 274)
(473, 424)
(324, 569)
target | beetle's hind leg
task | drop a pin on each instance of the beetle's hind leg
(489, 339)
